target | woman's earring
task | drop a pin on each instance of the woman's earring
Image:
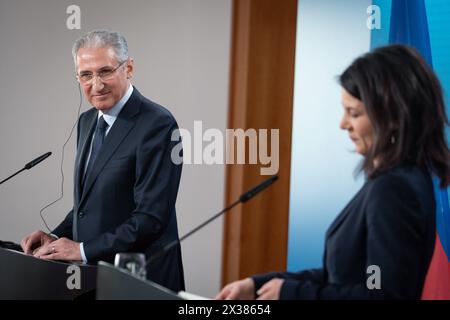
(392, 139)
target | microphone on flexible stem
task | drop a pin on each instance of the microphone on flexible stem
(29, 165)
(243, 198)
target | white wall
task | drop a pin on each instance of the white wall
(181, 52)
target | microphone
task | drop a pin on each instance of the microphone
(243, 198)
(29, 165)
(260, 187)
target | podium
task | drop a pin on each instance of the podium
(118, 284)
(26, 277)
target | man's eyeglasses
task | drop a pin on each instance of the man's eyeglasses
(105, 74)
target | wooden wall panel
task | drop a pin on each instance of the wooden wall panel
(261, 97)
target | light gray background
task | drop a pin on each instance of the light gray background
(181, 51)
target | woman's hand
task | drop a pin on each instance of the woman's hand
(270, 290)
(238, 290)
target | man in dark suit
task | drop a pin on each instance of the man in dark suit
(126, 183)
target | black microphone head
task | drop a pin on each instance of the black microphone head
(31, 164)
(260, 187)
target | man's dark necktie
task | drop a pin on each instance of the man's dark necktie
(99, 136)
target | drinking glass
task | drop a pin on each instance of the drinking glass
(133, 262)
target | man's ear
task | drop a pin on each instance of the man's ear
(130, 68)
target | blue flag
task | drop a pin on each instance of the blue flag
(409, 25)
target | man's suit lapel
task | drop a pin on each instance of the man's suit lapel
(122, 126)
(85, 139)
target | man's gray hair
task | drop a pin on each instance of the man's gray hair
(102, 39)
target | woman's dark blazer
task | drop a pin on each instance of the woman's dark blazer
(390, 223)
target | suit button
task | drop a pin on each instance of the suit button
(80, 215)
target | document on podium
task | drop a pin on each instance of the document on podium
(190, 296)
